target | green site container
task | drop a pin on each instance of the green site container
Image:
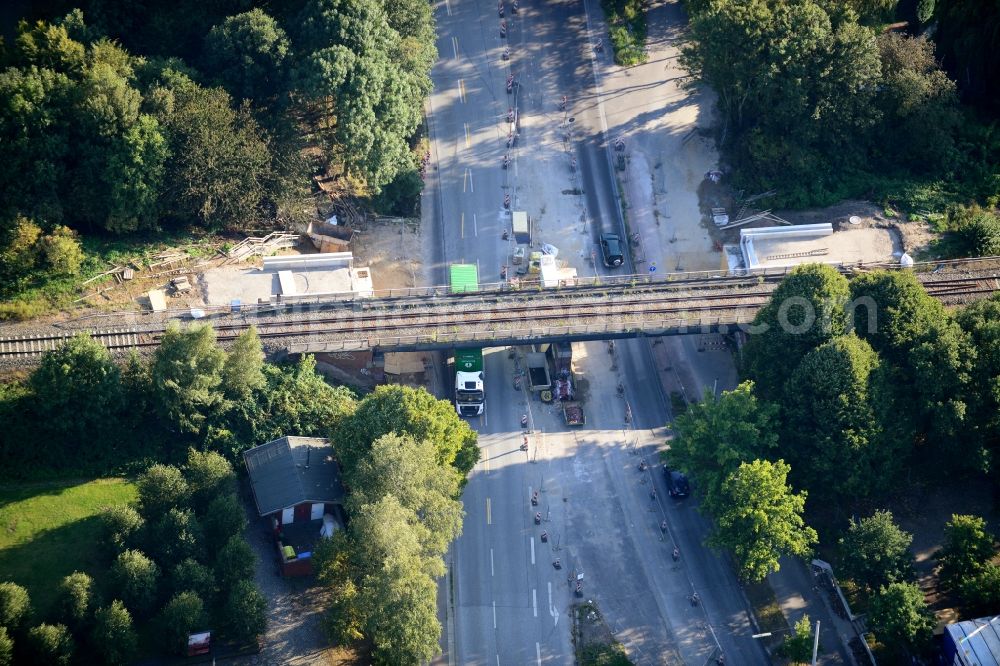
(464, 278)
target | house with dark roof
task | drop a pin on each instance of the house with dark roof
(294, 479)
(297, 488)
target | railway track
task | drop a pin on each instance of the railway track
(408, 316)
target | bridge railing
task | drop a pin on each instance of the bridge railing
(528, 333)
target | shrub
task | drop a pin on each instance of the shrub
(245, 612)
(161, 488)
(50, 644)
(15, 605)
(191, 575)
(134, 576)
(121, 526)
(182, 615)
(978, 232)
(234, 562)
(178, 535)
(62, 251)
(224, 519)
(6, 648)
(76, 598)
(113, 636)
(208, 475)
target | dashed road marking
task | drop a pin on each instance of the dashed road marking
(489, 512)
(534, 602)
(461, 90)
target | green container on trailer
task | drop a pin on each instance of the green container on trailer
(468, 360)
(464, 278)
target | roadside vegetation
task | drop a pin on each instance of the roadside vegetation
(170, 549)
(627, 28)
(837, 417)
(122, 121)
(820, 101)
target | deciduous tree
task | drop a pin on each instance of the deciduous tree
(79, 395)
(189, 574)
(135, 578)
(900, 618)
(243, 372)
(245, 612)
(249, 54)
(161, 488)
(208, 476)
(224, 518)
(409, 471)
(968, 546)
(806, 310)
(121, 528)
(113, 636)
(234, 562)
(6, 648)
(715, 435)
(798, 646)
(183, 615)
(759, 518)
(15, 606)
(876, 552)
(177, 535)
(219, 172)
(76, 599)
(830, 434)
(405, 410)
(187, 373)
(50, 644)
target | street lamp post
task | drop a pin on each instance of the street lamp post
(766, 634)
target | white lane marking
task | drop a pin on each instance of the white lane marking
(532, 550)
(534, 602)
(461, 226)
(489, 512)
(461, 90)
(495, 617)
(491, 562)
(447, 7)
(472, 186)
(454, 46)
(468, 137)
(475, 230)
(498, 656)
(553, 611)
(538, 654)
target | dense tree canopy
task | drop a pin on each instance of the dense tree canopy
(413, 412)
(818, 105)
(807, 309)
(830, 434)
(900, 618)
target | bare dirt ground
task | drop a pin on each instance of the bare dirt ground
(394, 251)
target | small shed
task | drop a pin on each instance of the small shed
(294, 479)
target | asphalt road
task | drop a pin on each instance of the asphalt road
(510, 602)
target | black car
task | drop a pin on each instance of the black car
(611, 248)
(677, 483)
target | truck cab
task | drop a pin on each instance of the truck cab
(469, 394)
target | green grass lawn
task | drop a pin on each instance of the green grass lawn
(49, 530)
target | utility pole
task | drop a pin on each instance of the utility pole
(815, 644)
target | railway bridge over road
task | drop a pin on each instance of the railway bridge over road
(497, 315)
